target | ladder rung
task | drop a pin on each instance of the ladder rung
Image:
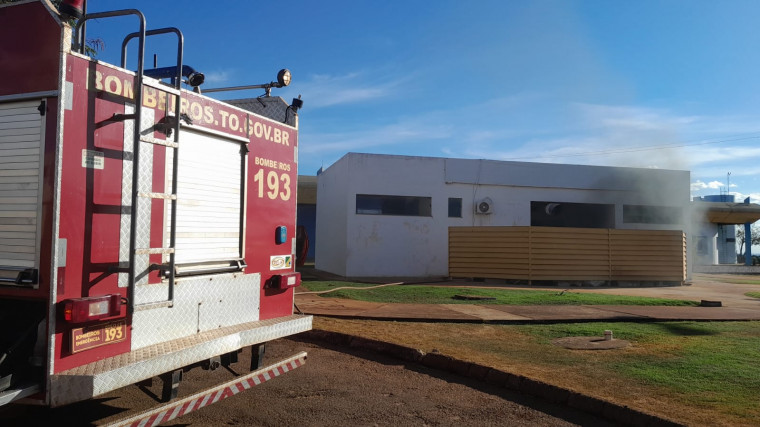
(150, 305)
(151, 140)
(154, 251)
(157, 84)
(167, 196)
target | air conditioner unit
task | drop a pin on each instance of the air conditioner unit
(484, 206)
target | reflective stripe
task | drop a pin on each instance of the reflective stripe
(172, 410)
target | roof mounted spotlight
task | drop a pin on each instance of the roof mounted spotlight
(194, 78)
(283, 79)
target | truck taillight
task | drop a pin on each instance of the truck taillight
(82, 310)
(284, 281)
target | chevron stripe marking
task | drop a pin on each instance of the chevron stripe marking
(172, 410)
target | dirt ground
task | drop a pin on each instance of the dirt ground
(506, 349)
(362, 389)
(333, 388)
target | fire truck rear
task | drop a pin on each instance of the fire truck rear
(144, 228)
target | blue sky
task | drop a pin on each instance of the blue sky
(657, 84)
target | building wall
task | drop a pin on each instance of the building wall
(704, 243)
(332, 217)
(725, 241)
(383, 245)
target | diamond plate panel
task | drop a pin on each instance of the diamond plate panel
(169, 167)
(145, 179)
(144, 185)
(126, 195)
(200, 304)
(109, 374)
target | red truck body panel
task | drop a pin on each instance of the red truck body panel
(81, 214)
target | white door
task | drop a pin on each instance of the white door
(208, 198)
(21, 155)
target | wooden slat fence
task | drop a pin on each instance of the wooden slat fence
(575, 254)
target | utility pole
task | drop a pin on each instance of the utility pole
(728, 185)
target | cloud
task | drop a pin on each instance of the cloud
(505, 128)
(323, 90)
(361, 140)
(620, 135)
(444, 128)
(699, 185)
(739, 197)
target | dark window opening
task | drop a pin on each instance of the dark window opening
(455, 207)
(642, 214)
(375, 204)
(581, 215)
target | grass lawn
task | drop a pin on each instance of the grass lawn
(743, 281)
(705, 364)
(414, 294)
(753, 294)
(697, 373)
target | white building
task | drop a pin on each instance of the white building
(714, 221)
(384, 215)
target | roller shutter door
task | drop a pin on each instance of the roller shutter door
(21, 137)
(208, 198)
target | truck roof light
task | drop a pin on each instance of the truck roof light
(283, 77)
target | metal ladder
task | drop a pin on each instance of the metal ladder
(138, 139)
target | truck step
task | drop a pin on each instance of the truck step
(102, 376)
(172, 410)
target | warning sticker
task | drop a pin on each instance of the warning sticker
(280, 262)
(95, 336)
(92, 159)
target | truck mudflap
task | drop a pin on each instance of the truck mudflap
(109, 374)
(172, 410)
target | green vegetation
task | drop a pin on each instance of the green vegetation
(707, 363)
(753, 294)
(741, 281)
(414, 294)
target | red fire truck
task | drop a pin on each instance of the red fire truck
(144, 228)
